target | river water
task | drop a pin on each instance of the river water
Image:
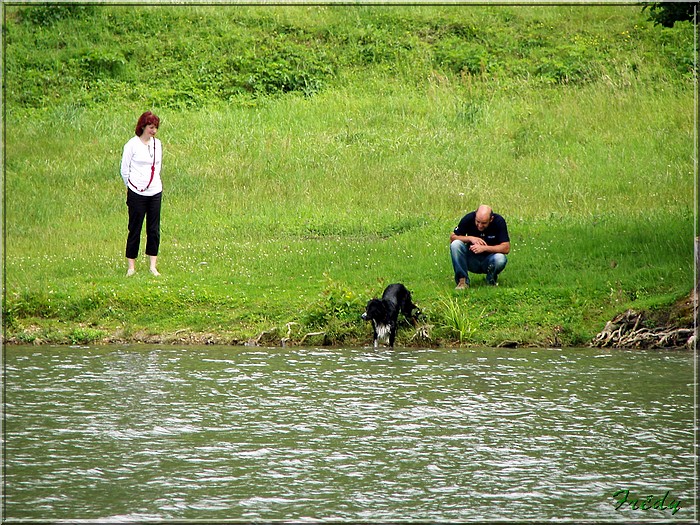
(230, 433)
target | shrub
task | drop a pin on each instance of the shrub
(668, 13)
(336, 302)
(50, 13)
(457, 56)
(83, 336)
(97, 63)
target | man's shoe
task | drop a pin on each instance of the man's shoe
(462, 284)
(491, 279)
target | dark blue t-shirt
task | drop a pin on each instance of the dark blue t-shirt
(495, 233)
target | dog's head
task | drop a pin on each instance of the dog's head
(417, 313)
(375, 310)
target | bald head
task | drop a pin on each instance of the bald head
(484, 216)
(484, 211)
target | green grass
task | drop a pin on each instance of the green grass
(297, 207)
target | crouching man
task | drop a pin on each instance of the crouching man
(479, 244)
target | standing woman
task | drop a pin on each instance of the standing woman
(140, 170)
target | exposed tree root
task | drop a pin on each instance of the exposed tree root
(627, 331)
(423, 333)
(286, 340)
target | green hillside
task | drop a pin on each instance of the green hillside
(314, 154)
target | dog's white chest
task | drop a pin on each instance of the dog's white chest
(383, 331)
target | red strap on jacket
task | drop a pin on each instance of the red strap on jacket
(153, 170)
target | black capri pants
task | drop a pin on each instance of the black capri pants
(141, 206)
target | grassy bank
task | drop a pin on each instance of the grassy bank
(286, 209)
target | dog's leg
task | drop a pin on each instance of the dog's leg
(392, 335)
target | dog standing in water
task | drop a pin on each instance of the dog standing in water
(384, 312)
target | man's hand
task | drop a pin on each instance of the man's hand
(478, 247)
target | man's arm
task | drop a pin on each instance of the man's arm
(467, 239)
(503, 248)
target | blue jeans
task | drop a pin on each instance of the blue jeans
(464, 261)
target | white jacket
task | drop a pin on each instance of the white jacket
(136, 166)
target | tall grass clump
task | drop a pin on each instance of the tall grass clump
(330, 151)
(459, 319)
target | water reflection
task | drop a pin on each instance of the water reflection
(352, 434)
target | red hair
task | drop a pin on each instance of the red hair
(146, 119)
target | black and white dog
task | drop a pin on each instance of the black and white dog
(384, 312)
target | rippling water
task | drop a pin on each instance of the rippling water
(119, 433)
